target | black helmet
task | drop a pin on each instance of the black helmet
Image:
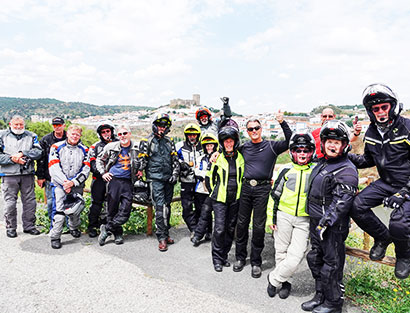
(73, 204)
(163, 120)
(379, 93)
(302, 139)
(105, 125)
(228, 132)
(338, 130)
(141, 193)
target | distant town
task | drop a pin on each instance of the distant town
(183, 111)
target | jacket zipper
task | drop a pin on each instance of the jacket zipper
(300, 186)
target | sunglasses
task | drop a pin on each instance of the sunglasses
(302, 151)
(123, 134)
(251, 129)
(105, 131)
(384, 107)
(327, 116)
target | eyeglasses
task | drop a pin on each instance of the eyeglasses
(251, 129)
(105, 131)
(302, 151)
(57, 125)
(328, 116)
(384, 107)
(123, 134)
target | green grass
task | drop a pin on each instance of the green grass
(373, 286)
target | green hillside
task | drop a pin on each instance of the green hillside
(52, 107)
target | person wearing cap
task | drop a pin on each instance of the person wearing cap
(327, 115)
(69, 167)
(42, 173)
(98, 186)
(387, 146)
(260, 158)
(18, 149)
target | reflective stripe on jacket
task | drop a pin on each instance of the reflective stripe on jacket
(218, 176)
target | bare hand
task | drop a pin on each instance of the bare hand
(273, 227)
(67, 185)
(357, 128)
(40, 182)
(214, 157)
(279, 117)
(139, 174)
(107, 176)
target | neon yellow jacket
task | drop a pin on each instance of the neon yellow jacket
(218, 177)
(290, 189)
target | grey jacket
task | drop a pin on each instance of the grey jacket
(10, 144)
(67, 162)
(109, 156)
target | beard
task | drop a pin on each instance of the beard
(17, 131)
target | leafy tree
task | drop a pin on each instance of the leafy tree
(89, 137)
(40, 128)
(3, 124)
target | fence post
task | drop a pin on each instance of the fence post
(366, 237)
(149, 220)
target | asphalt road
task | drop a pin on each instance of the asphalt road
(134, 277)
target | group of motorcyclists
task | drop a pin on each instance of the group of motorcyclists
(313, 197)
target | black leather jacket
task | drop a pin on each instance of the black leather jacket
(332, 188)
(42, 165)
(390, 154)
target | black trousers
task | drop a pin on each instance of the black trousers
(326, 261)
(98, 194)
(399, 225)
(226, 215)
(189, 198)
(204, 225)
(161, 195)
(119, 204)
(252, 199)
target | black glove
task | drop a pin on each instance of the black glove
(328, 219)
(173, 179)
(225, 100)
(395, 201)
(185, 166)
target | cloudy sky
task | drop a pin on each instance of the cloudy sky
(264, 55)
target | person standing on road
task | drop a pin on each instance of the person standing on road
(224, 182)
(43, 176)
(69, 166)
(118, 166)
(159, 159)
(18, 149)
(290, 222)
(387, 146)
(210, 147)
(332, 188)
(189, 151)
(260, 158)
(98, 186)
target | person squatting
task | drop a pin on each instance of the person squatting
(312, 198)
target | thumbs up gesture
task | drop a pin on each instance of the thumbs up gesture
(279, 116)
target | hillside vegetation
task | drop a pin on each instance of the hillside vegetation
(52, 107)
